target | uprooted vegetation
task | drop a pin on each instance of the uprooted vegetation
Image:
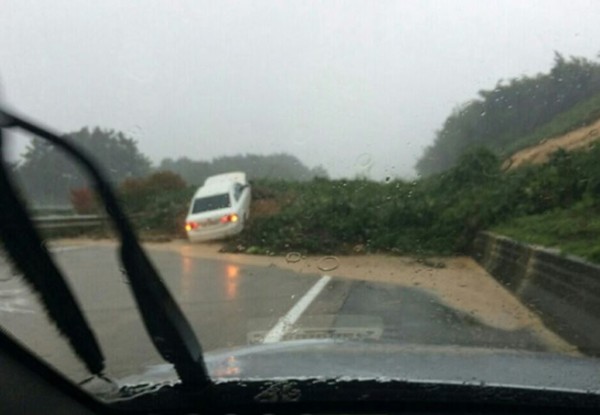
(438, 215)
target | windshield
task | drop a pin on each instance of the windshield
(204, 204)
(417, 186)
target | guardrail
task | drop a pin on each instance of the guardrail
(55, 222)
(564, 291)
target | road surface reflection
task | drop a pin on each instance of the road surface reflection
(233, 272)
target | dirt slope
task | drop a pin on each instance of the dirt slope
(540, 152)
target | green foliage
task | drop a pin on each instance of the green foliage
(512, 114)
(274, 166)
(137, 193)
(326, 216)
(436, 215)
(574, 230)
(157, 204)
(167, 213)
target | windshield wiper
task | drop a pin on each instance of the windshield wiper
(165, 323)
(30, 255)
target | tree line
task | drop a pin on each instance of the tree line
(274, 166)
(47, 176)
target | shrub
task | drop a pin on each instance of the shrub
(83, 200)
(136, 192)
(437, 215)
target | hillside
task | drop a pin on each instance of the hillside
(541, 152)
(518, 113)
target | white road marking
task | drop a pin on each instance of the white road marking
(11, 303)
(285, 323)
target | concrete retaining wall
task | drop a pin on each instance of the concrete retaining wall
(563, 290)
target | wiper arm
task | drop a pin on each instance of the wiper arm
(23, 243)
(168, 328)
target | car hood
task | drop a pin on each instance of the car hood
(328, 359)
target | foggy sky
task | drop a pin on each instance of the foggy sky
(355, 85)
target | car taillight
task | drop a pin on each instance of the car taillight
(190, 225)
(230, 218)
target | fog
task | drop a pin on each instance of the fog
(359, 87)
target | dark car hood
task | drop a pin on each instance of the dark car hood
(350, 361)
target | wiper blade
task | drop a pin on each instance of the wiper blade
(165, 323)
(23, 243)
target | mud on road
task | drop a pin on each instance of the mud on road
(458, 282)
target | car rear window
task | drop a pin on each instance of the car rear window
(205, 204)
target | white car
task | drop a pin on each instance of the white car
(219, 208)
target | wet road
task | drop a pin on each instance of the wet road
(231, 304)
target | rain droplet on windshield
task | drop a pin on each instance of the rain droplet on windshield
(363, 165)
(293, 257)
(364, 160)
(328, 263)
